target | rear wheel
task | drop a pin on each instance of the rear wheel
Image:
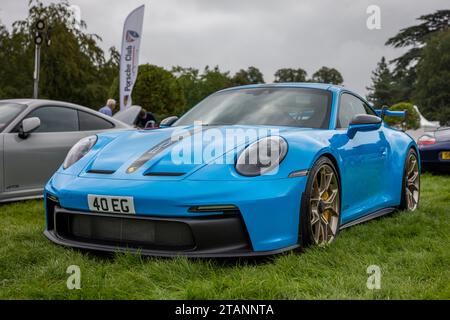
(321, 208)
(411, 183)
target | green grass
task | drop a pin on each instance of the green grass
(412, 249)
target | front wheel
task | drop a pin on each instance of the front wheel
(321, 208)
(411, 183)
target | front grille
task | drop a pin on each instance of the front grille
(122, 231)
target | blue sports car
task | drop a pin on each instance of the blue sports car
(252, 170)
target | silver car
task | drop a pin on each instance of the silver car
(35, 136)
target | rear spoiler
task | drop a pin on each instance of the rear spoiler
(386, 112)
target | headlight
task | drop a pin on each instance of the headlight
(262, 156)
(79, 150)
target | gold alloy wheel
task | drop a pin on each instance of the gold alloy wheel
(324, 205)
(412, 183)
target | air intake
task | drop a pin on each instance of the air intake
(164, 174)
(101, 171)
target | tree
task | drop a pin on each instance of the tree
(328, 75)
(290, 75)
(412, 120)
(189, 81)
(157, 90)
(414, 38)
(432, 92)
(73, 67)
(196, 86)
(250, 76)
(213, 80)
(381, 92)
(16, 69)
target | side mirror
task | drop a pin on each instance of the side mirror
(363, 122)
(28, 126)
(168, 122)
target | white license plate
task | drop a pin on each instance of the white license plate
(111, 204)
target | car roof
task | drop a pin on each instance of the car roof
(311, 85)
(39, 102)
(35, 103)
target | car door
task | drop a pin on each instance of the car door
(363, 159)
(30, 162)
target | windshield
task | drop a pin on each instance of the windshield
(299, 107)
(8, 111)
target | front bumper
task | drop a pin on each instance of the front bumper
(201, 237)
(266, 221)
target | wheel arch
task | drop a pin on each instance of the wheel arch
(324, 154)
(413, 146)
(334, 159)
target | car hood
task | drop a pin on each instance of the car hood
(129, 115)
(162, 153)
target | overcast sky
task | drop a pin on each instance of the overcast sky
(268, 34)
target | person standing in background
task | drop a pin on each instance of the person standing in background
(109, 108)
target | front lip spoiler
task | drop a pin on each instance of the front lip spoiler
(51, 235)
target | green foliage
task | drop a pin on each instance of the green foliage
(381, 92)
(250, 76)
(213, 80)
(432, 92)
(412, 120)
(189, 81)
(410, 248)
(196, 86)
(290, 75)
(73, 67)
(328, 75)
(402, 84)
(416, 36)
(157, 90)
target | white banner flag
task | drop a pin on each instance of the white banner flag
(129, 58)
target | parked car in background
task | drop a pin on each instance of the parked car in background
(35, 136)
(434, 148)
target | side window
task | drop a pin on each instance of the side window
(56, 119)
(349, 107)
(90, 122)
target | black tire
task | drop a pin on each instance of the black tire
(404, 202)
(306, 234)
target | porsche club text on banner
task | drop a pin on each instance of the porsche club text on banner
(129, 59)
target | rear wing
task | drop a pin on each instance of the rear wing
(386, 112)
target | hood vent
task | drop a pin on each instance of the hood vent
(165, 174)
(101, 171)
